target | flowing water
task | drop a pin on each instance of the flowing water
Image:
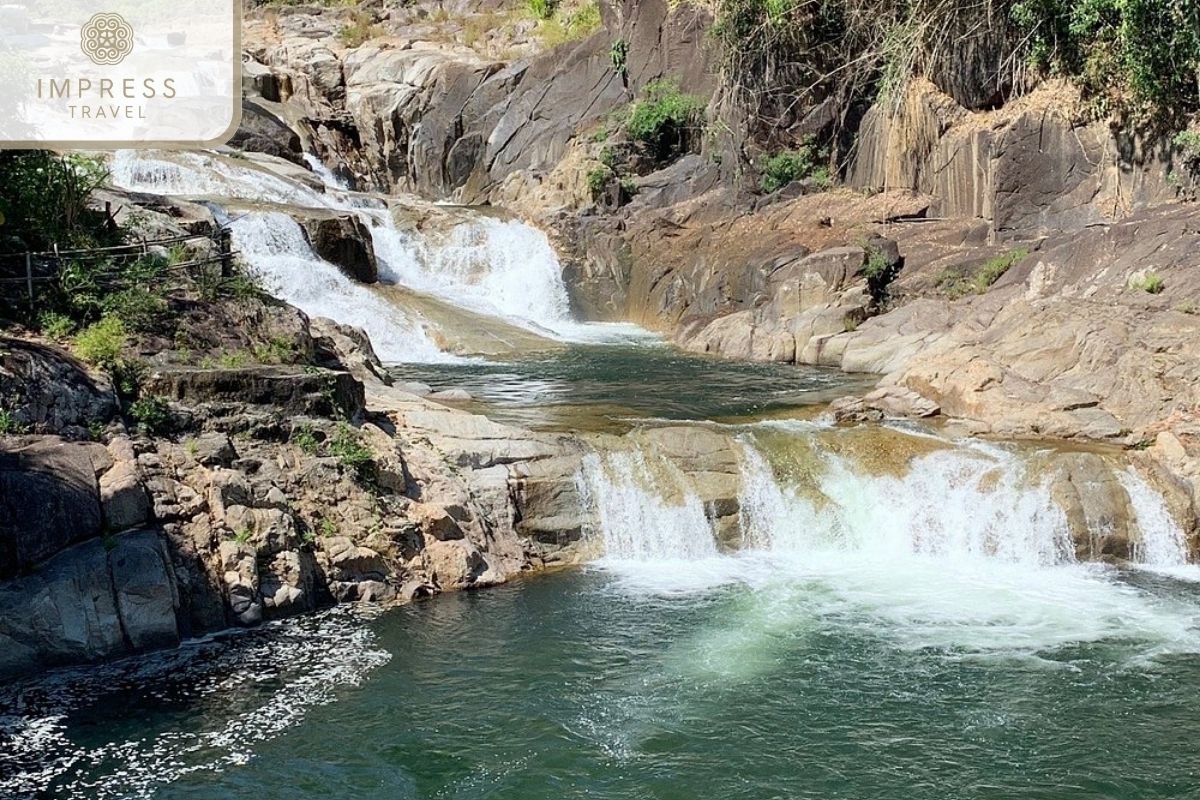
(903, 617)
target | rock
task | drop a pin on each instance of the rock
(262, 131)
(354, 572)
(87, 604)
(123, 497)
(344, 347)
(455, 564)
(286, 584)
(287, 390)
(52, 391)
(49, 499)
(415, 387)
(146, 592)
(239, 566)
(345, 241)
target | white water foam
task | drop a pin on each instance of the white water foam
(646, 511)
(325, 173)
(274, 246)
(1161, 541)
(966, 552)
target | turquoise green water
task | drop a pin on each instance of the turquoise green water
(765, 680)
(605, 386)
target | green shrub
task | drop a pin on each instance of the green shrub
(664, 118)
(9, 424)
(1139, 57)
(789, 165)
(598, 178)
(44, 200)
(101, 343)
(957, 283)
(277, 350)
(629, 186)
(359, 30)
(304, 438)
(618, 54)
(243, 535)
(542, 9)
(55, 325)
(1150, 282)
(152, 414)
(140, 308)
(327, 527)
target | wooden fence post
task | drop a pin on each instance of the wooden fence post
(226, 245)
(29, 277)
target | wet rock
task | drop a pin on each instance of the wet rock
(345, 241)
(451, 396)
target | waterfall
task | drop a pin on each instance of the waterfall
(325, 173)
(274, 246)
(645, 509)
(1161, 542)
(961, 503)
(502, 268)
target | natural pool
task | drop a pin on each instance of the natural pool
(752, 676)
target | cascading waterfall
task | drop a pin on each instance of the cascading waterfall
(498, 267)
(1161, 542)
(501, 268)
(962, 503)
(279, 255)
(646, 511)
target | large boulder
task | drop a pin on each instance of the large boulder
(49, 499)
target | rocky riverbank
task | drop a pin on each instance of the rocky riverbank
(999, 259)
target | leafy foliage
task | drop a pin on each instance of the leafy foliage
(1150, 282)
(44, 202)
(664, 119)
(101, 343)
(790, 165)
(956, 283)
(1134, 57)
(152, 414)
(346, 446)
(598, 178)
(542, 9)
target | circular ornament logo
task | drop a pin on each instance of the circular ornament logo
(106, 39)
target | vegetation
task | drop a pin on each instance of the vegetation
(359, 30)
(55, 325)
(664, 119)
(598, 178)
(618, 54)
(152, 414)
(1150, 282)
(303, 437)
(9, 424)
(243, 535)
(790, 165)
(346, 446)
(44, 202)
(542, 9)
(1136, 58)
(956, 283)
(102, 343)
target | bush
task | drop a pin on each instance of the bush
(598, 178)
(1150, 282)
(101, 343)
(304, 438)
(664, 118)
(1136, 57)
(543, 9)
(44, 202)
(9, 424)
(139, 307)
(359, 30)
(152, 414)
(55, 325)
(790, 165)
(956, 283)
